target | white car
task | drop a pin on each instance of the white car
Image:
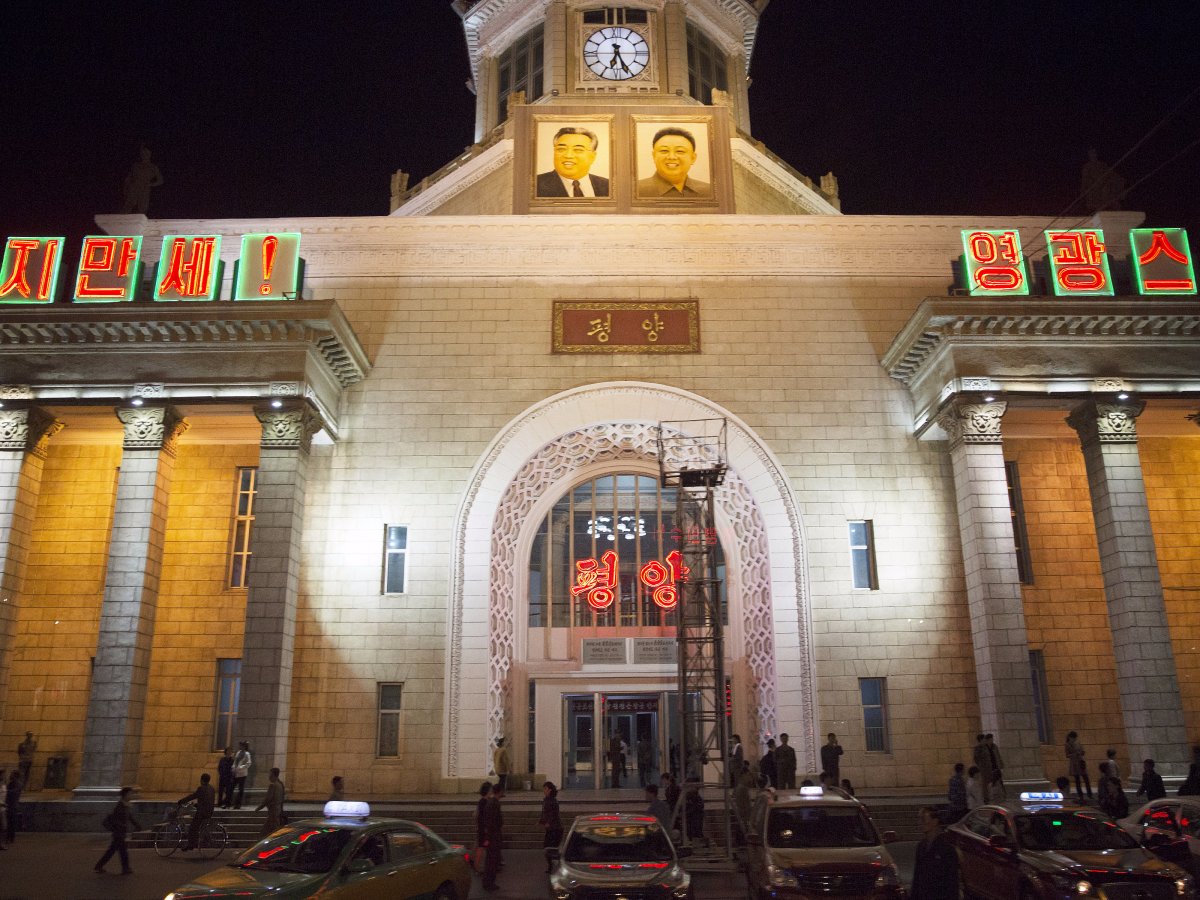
(1168, 825)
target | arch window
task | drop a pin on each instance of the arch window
(629, 514)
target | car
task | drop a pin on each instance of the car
(816, 843)
(1170, 828)
(618, 855)
(346, 855)
(1042, 847)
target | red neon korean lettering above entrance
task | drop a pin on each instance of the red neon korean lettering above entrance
(597, 579)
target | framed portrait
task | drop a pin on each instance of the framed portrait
(673, 159)
(572, 159)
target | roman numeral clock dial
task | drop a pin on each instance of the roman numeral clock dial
(616, 53)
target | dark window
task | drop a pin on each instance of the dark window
(389, 719)
(707, 66)
(875, 720)
(395, 558)
(229, 689)
(862, 555)
(243, 526)
(1041, 696)
(1020, 535)
(519, 68)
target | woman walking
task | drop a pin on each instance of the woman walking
(551, 821)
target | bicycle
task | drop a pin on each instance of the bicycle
(172, 835)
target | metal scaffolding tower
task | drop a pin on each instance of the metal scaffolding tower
(692, 459)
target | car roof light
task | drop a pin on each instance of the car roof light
(1041, 796)
(347, 809)
(812, 791)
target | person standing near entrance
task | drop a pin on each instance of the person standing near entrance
(614, 759)
(831, 758)
(25, 751)
(768, 776)
(241, 770)
(785, 764)
(998, 790)
(736, 757)
(645, 761)
(225, 779)
(983, 762)
(502, 763)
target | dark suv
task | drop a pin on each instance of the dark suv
(618, 855)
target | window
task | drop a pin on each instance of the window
(630, 514)
(519, 68)
(616, 16)
(707, 66)
(532, 725)
(1041, 696)
(229, 690)
(862, 555)
(874, 704)
(388, 743)
(395, 558)
(243, 525)
(1020, 536)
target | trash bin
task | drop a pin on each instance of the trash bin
(56, 772)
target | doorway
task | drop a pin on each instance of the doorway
(631, 730)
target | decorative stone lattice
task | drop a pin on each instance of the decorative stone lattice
(618, 442)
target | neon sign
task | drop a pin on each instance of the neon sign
(109, 269)
(993, 263)
(189, 268)
(1162, 263)
(269, 267)
(29, 272)
(1078, 263)
(597, 579)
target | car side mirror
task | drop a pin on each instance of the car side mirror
(1000, 842)
(359, 866)
(890, 837)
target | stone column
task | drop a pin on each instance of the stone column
(113, 736)
(998, 632)
(674, 40)
(25, 432)
(1149, 687)
(274, 584)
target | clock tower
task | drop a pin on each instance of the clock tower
(613, 106)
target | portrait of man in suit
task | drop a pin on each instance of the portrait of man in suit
(574, 149)
(673, 150)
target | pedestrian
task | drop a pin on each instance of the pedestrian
(998, 791)
(1152, 783)
(485, 792)
(624, 758)
(956, 795)
(768, 775)
(12, 800)
(206, 801)
(645, 760)
(119, 822)
(693, 811)
(736, 757)
(551, 821)
(670, 788)
(1111, 795)
(1064, 785)
(935, 867)
(614, 759)
(25, 751)
(658, 807)
(3, 816)
(337, 788)
(502, 763)
(974, 789)
(673, 759)
(831, 757)
(741, 797)
(847, 787)
(225, 779)
(785, 763)
(1077, 765)
(241, 769)
(493, 836)
(982, 757)
(1191, 784)
(273, 803)
(1111, 755)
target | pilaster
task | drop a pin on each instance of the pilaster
(274, 583)
(1146, 676)
(113, 735)
(674, 38)
(998, 632)
(25, 432)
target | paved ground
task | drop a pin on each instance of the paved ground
(58, 866)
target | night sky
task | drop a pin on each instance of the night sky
(270, 109)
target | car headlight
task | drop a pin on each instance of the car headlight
(781, 877)
(888, 877)
(1183, 886)
(1081, 887)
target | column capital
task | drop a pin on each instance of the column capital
(288, 427)
(968, 420)
(151, 427)
(1107, 421)
(27, 428)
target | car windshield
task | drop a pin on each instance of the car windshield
(311, 851)
(618, 842)
(1071, 831)
(820, 826)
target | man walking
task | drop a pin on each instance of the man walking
(206, 801)
(273, 803)
(785, 763)
(935, 869)
(118, 822)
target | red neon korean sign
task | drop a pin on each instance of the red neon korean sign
(189, 268)
(993, 263)
(29, 271)
(598, 579)
(109, 269)
(1162, 261)
(1078, 263)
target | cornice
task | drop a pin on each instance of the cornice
(779, 179)
(461, 179)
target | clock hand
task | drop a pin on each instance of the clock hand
(617, 58)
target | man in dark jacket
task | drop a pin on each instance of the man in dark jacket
(493, 837)
(1152, 783)
(206, 801)
(225, 779)
(118, 822)
(831, 758)
(935, 869)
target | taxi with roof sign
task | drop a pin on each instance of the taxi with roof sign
(1045, 847)
(346, 855)
(815, 843)
(618, 855)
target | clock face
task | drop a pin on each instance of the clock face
(616, 53)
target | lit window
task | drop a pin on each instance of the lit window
(243, 525)
(862, 555)
(707, 66)
(1041, 696)
(519, 68)
(389, 719)
(1020, 535)
(875, 718)
(395, 558)
(225, 709)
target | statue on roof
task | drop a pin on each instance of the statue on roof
(143, 175)
(1102, 188)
